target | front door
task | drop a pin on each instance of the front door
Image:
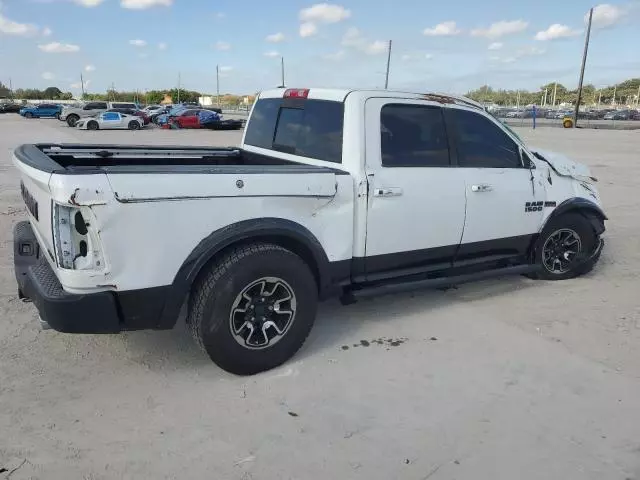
(416, 200)
(505, 199)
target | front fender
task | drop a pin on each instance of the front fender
(589, 209)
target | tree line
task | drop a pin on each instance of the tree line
(626, 93)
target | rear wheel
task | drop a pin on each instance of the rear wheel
(254, 308)
(133, 125)
(72, 120)
(564, 248)
(93, 125)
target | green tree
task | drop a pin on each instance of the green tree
(52, 93)
(4, 91)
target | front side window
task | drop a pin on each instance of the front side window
(481, 143)
(413, 136)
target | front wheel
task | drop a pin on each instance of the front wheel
(254, 308)
(28, 115)
(133, 125)
(93, 125)
(72, 120)
(568, 247)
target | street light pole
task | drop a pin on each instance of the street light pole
(386, 80)
(584, 63)
(282, 71)
(218, 85)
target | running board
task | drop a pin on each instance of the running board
(440, 282)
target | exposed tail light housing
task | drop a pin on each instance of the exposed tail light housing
(77, 245)
(296, 93)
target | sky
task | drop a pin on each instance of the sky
(451, 46)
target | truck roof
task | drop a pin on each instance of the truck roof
(340, 94)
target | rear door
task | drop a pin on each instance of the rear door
(416, 202)
(505, 199)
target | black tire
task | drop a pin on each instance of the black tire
(133, 125)
(57, 115)
(217, 291)
(28, 115)
(93, 125)
(72, 120)
(570, 225)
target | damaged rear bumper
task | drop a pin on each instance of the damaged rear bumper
(62, 311)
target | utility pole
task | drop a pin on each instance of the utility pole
(10, 88)
(613, 101)
(584, 63)
(282, 71)
(599, 98)
(518, 101)
(638, 97)
(82, 85)
(386, 80)
(218, 85)
(555, 92)
(178, 87)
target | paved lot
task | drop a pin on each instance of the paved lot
(508, 379)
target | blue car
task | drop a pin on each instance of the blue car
(42, 110)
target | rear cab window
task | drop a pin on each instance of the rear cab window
(308, 127)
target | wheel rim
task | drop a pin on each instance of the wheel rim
(560, 251)
(262, 313)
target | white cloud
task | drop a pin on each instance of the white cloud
(272, 54)
(226, 69)
(528, 51)
(442, 30)
(406, 57)
(428, 56)
(275, 37)
(376, 48)
(605, 15)
(308, 29)
(90, 68)
(48, 76)
(352, 38)
(46, 31)
(162, 46)
(500, 29)
(9, 27)
(138, 43)
(556, 31)
(339, 55)
(495, 46)
(324, 13)
(142, 4)
(57, 47)
(222, 46)
(78, 85)
(88, 3)
(221, 15)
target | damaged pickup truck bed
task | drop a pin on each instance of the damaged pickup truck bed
(332, 192)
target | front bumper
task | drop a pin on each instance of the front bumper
(65, 312)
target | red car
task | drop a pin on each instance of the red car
(186, 119)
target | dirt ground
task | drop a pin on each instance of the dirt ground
(503, 379)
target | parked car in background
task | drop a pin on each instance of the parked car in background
(44, 110)
(186, 119)
(71, 114)
(151, 109)
(635, 115)
(131, 111)
(10, 107)
(111, 120)
(618, 115)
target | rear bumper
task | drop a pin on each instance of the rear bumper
(102, 312)
(65, 312)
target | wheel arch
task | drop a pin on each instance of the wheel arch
(282, 232)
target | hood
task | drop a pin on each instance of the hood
(564, 166)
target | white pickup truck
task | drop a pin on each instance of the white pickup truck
(331, 192)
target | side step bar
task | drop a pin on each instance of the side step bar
(440, 282)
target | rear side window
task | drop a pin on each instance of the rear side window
(123, 105)
(309, 128)
(96, 106)
(481, 143)
(413, 136)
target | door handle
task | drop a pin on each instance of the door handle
(481, 188)
(387, 192)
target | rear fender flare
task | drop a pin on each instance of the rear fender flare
(276, 230)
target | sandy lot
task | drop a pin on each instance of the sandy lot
(505, 379)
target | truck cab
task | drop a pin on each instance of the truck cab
(353, 193)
